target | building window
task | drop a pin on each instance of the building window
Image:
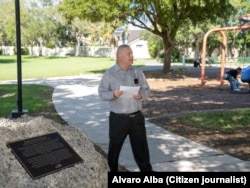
(139, 46)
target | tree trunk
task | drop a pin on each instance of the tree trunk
(78, 48)
(167, 61)
(197, 53)
(40, 40)
(197, 43)
(79, 38)
(167, 54)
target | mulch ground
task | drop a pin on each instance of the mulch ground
(181, 91)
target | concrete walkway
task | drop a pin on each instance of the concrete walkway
(76, 100)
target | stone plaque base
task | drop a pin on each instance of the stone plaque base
(45, 154)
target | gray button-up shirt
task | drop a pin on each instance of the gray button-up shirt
(115, 77)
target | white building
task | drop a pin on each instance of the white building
(133, 38)
(139, 47)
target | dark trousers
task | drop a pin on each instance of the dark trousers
(119, 127)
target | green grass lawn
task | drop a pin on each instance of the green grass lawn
(225, 121)
(45, 67)
(37, 99)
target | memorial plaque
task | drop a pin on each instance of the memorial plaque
(45, 154)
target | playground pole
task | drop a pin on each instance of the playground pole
(224, 43)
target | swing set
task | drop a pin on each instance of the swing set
(245, 19)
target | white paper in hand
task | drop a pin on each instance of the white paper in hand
(129, 92)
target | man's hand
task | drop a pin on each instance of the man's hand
(138, 96)
(117, 93)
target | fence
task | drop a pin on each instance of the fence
(85, 51)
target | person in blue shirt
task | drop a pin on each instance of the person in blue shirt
(125, 117)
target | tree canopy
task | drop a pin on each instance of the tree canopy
(174, 26)
(160, 17)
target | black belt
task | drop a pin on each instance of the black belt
(131, 115)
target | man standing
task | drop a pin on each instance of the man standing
(125, 118)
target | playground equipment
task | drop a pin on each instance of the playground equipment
(245, 19)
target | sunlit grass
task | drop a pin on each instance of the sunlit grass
(44, 67)
(223, 120)
(37, 99)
